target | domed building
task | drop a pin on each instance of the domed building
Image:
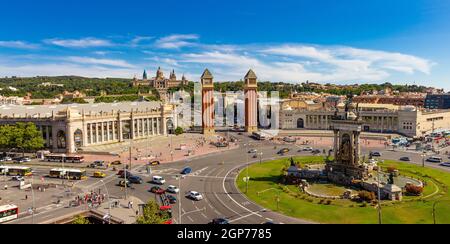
(160, 82)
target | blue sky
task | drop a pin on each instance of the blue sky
(347, 41)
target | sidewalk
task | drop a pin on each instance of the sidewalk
(122, 211)
(161, 148)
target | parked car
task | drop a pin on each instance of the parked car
(252, 151)
(136, 179)
(97, 164)
(19, 160)
(219, 221)
(26, 159)
(375, 154)
(405, 159)
(116, 163)
(308, 149)
(195, 196)
(434, 159)
(99, 174)
(157, 190)
(289, 139)
(121, 174)
(445, 164)
(173, 189)
(316, 151)
(172, 199)
(154, 163)
(158, 180)
(186, 171)
(18, 178)
(6, 159)
(283, 151)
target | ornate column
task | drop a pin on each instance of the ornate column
(47, 136)
(142, 127)
(336, 149)
(132, 126)
(102, 130)
(158, 128)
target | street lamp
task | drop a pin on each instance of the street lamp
(379, 194)
(423, 159)
(247, 165)
(109, 201)
(178, 177)
(33, 201)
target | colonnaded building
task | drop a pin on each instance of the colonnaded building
(66, 128)
(382, 118)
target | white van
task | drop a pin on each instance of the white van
(158, 180)
(434, 159)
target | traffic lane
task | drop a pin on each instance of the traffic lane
(220, 205)
(255, 212)
(415, 159)
(228, 207)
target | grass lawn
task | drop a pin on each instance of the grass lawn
(412, 210)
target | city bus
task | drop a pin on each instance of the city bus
(55, 158)
(74, 159)
(71, 174)
(63, 158)
(8, 213)
(16, 170)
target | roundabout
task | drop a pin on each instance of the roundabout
(267, 188)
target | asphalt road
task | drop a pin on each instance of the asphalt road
(214, 177)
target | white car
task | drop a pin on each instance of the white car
(18, 178)
(6, 159)
(26, 159)
(195, 196)
(173, 189)
(308, 149)
(158, 180)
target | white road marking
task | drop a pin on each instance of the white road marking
(189, 217)
(225, 190)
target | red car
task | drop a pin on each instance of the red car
(157, 190)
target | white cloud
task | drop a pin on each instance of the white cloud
(277, 62)
(97, 61)
(80, 43)
(176, 41)
(138, 39)
(18, 45)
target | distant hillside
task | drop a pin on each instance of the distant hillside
(48, 87)
(94, 87)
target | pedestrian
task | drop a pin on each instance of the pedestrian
(131, 204)
(137, 212)
(26, 197)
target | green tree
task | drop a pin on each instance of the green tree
(80, 220)
(23, 136)
(152, 214)
(6, 136)
(179, 131)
